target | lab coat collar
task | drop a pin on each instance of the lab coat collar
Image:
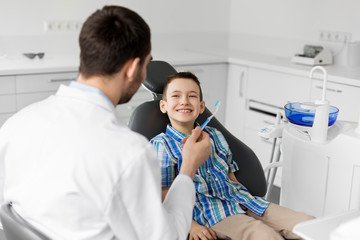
(93, 97)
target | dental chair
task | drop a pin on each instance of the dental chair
(17, 228)
(148, 120)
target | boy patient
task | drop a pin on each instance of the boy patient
(223, 207)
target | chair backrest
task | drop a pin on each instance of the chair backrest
(16, 228)
(148, 120)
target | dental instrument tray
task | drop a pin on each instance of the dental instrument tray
(313, 55)
(299, 115)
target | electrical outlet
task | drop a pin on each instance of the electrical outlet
(332, 36)
(62, 26)
(50, 26)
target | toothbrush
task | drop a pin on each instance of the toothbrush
(217, 105)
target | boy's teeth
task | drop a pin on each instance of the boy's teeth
(184, 110)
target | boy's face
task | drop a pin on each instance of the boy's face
(182, 104)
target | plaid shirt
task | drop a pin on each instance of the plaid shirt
(217, 197)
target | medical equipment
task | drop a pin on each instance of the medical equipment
(217, 106)
(321, 166)
(313, 55)
(273, 132)
(303, 114)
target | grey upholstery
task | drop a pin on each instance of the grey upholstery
(148, 120)
(16, 228)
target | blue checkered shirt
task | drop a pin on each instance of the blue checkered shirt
(217, 197)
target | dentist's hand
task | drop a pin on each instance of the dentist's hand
(196, 150)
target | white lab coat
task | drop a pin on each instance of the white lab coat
(75, 172)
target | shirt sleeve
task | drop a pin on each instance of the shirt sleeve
(168, 166)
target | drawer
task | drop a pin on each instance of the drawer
(277, 88)
(7, 85)
(258, 116)
(7, 103)
(43, 82)
(345, 97)
(26, 99)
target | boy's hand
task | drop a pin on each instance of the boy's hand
(196, 150)
(198, 232)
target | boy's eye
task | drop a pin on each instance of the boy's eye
(193, 96)
(175, 96)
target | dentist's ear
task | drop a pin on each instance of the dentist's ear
(163, 106)
(131, 67)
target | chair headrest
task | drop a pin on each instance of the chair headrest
(157, 73)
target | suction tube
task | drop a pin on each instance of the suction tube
(320, 126)
(323, 97)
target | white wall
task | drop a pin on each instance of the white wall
(278, 27)
(21, 21)
(282, 26)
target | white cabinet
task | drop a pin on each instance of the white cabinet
(7, 98)
(18, 91)
(213, 79)
(255, 96)
(35, 87)
(235, 100)
(267, 93)
(345, 97)
(277, 88)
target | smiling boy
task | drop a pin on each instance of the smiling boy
(221, 202)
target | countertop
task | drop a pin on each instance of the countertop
(16, 65)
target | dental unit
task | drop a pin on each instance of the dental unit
(320, 157)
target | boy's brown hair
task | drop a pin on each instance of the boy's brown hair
(186, 75)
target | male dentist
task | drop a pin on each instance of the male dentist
(70, 168)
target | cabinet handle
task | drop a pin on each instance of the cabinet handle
(241, 85)
(330, 89)
(61, 80)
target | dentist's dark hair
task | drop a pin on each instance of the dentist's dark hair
(109, 38)
(186, 75)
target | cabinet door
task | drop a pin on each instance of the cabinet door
(35, 87)
(213, 79)
(43, 82)
(345, 97)
(235, 101)
(7, 95)
(277, 88)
